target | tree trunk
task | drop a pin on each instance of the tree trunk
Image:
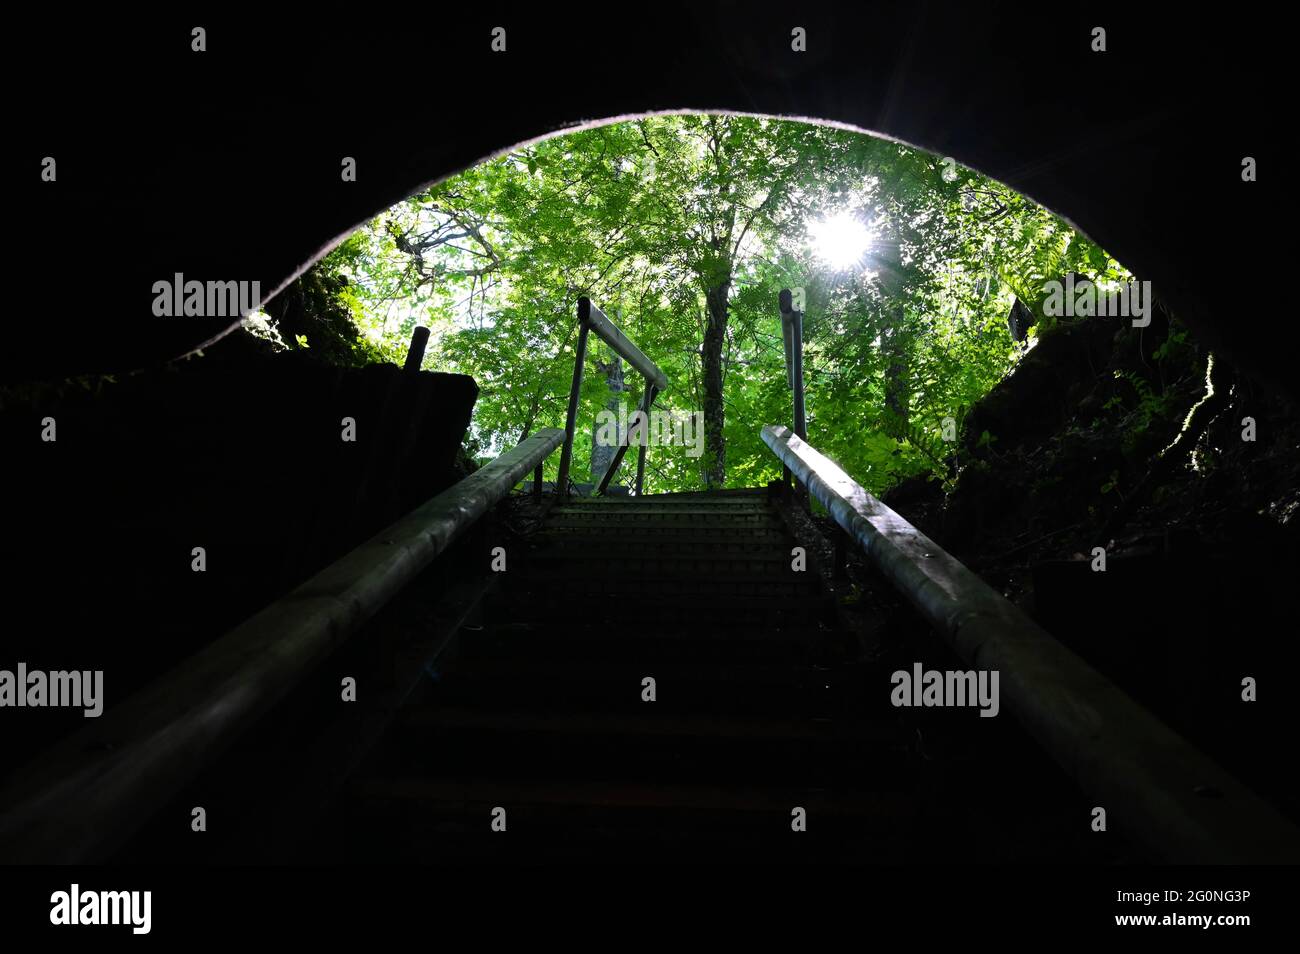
(897, 398)
(893, 340)
(715, 336)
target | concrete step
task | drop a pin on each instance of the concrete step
(649, 721)
(575, 803)
(663, 539)
(573, 748)
(656, 605)
(683, 688)
(794, 649)
(671, 560)
(564, 608)
(660, 592)
(738, 493)
(609, 519)
(666, 502)
(397, 832)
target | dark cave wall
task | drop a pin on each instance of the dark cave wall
(1140, 146)
(238, 452)
(1094, 443)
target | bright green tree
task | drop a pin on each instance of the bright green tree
(684, 229)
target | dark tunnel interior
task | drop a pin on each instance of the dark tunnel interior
(182, 517)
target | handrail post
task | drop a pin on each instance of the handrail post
(786, 329)
(646, 400)
(415, 353)
(575, 391)
(792, 337)
(591, 318)
(650, 393)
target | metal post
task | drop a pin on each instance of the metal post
(611, 470)
(591, 318)
(571, 419)
(800, 419)
(796, 367)
(650, 393)
(537, 481)
(415, 353)
(646, 400)
(786, 305)
(621, 344)
(792, 338)
(786, 329)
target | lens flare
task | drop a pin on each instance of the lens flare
(841, 241)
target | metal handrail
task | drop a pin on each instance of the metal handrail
(792, 337)
(591, 318)
(1164, 791)
(609, 332)
(93, 790)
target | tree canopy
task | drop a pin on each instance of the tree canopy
(684, 229)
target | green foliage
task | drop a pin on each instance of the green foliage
(1176, 348)
(323, 312)
(1143, 411)
(648, 216)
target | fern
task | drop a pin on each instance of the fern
(933, 448)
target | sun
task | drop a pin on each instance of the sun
(841, 240)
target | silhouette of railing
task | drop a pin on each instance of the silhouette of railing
(592, 319)
(1167, 794)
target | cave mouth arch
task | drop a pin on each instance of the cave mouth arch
(893, 179)
(1119, 163)
(576, 126)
